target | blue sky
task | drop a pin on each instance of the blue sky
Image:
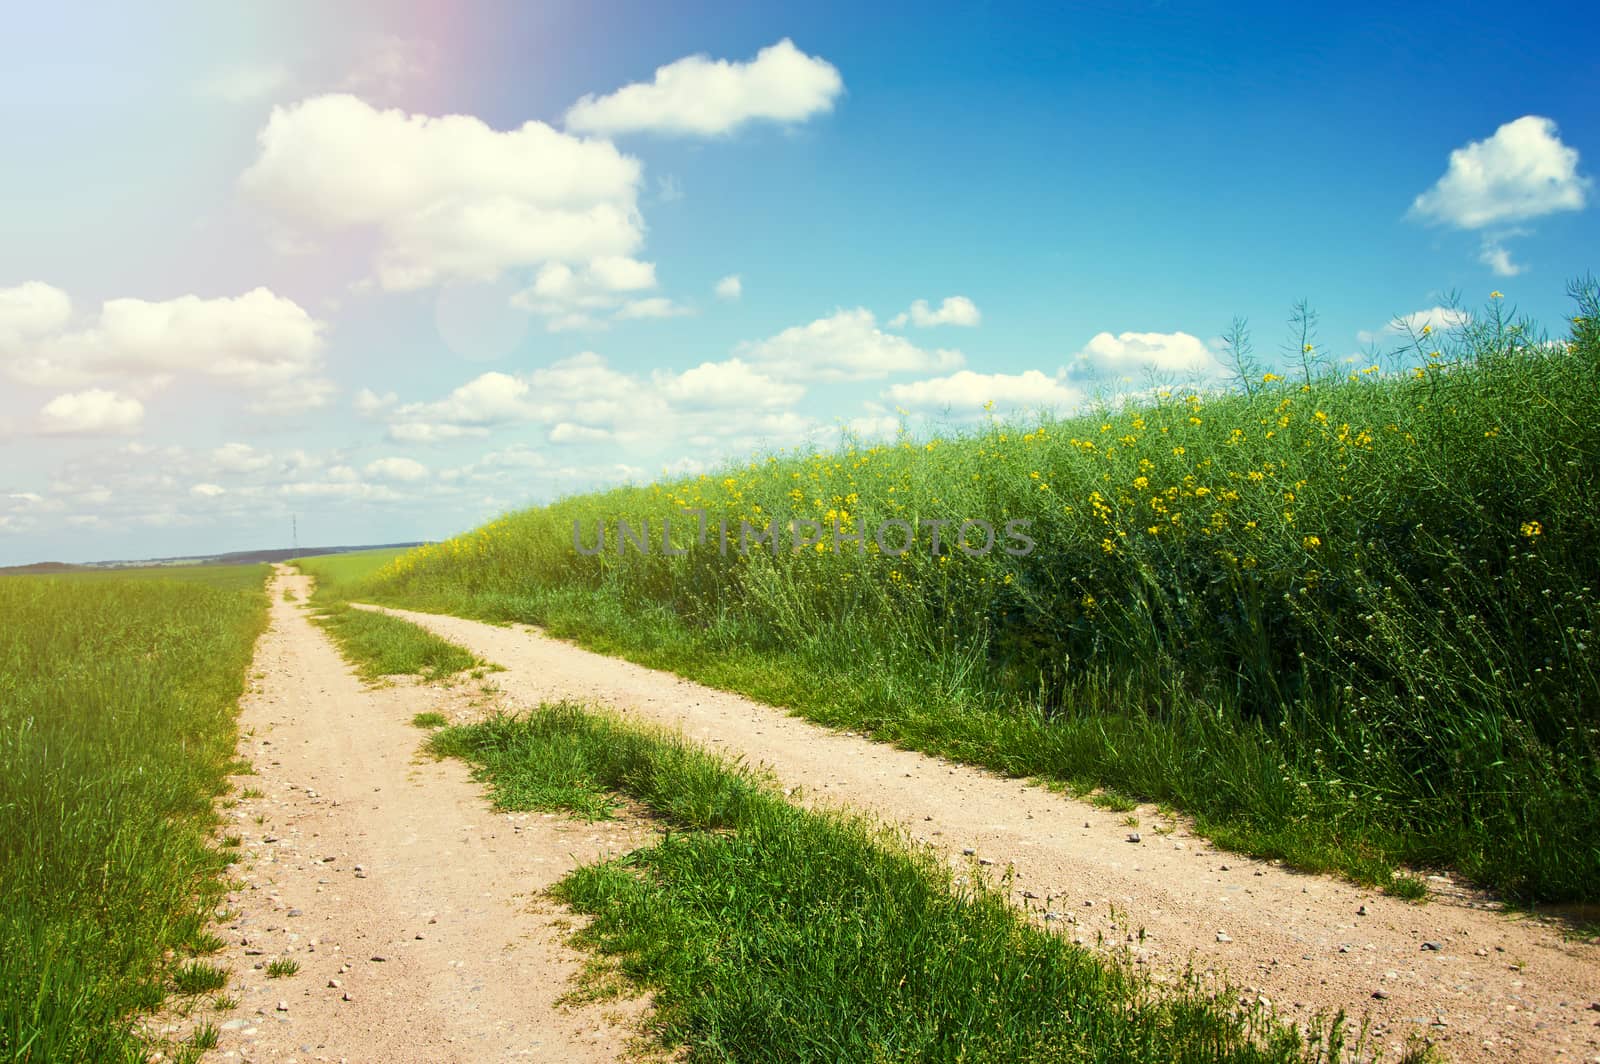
(251, 268)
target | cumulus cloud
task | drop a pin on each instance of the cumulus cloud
(570, 298)
(729, 288)
(723, 384)
(700, 96)
(447, 197)
(582, 389)
(846, 346)
(967, 390)
(401, 469)
(955, 310)
(1434, 319)
(654, 307)
(258, 341)
(29, 311)
(1523, 171)
(1130, 355)
(568, 433)
(240, 458)
(95, 412)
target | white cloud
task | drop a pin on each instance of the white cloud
(433, 432)
(208, 491)
(95, 412)
(488, 399)
(369, 402)
(967, 390)
(240, 458)
(258, 341)
(582, 389)
(654, 307)
(1497, 257)
(247, 82)
(846, 346)
(568, 433)
(1434, 319)
(31, 310)
(729, 288)
(1523, 171)
(955, 310)
(700, 96)
(402, 469)
(569, 299)
(733, 383)
(448, 197)
(1133, 354)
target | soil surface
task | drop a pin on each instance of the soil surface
(1477, 982)
(412, 908)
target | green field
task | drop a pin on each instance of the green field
(1342, 614)
(118, 694)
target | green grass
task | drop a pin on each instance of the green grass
(282, 968)
(118, 694)
(198, 977)
(1347, 619)
(333, 572)
(771, 933)
(380, 645)
(430, 719)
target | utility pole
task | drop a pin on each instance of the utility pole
(294, 533)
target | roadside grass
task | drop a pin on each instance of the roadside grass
(1343, 616)
(429, 719)
(118, 694)
(333, 572)
(770, 932)
(380, 645)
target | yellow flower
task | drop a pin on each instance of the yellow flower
(1268, 378)
(1308, 348)
(1496, 295)
(1311, 542)
(1531, 529)
(1141, 482)
(1426, 329)
(1105, 545)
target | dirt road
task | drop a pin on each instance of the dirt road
(409, 905)
(1479, 983)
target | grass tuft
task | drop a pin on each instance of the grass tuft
(380, 645)
(282, 968)
(198, 977)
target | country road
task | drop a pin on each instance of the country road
(412, 909)
(417, 919)
(1479, 983)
